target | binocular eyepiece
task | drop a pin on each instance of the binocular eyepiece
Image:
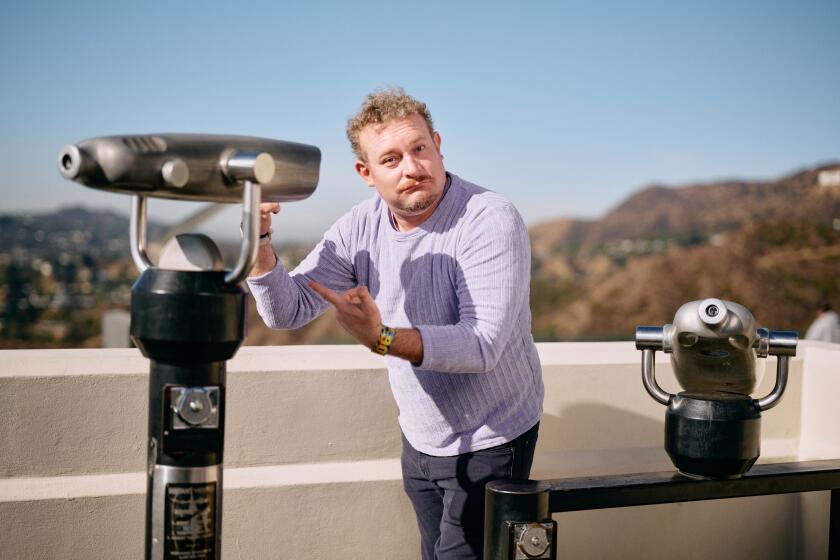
(200, 167)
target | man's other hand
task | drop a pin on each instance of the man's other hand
(266, 210)
(266, 259)
(356, 310)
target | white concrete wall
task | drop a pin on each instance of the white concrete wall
(312, 456)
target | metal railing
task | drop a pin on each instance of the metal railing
(518, 524)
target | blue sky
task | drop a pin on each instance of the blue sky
(566, 108)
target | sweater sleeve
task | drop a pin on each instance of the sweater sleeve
(285, 300)
(492, 284)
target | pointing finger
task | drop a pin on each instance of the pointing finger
(365, 298)
(326, 293)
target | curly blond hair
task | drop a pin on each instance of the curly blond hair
(381, 106)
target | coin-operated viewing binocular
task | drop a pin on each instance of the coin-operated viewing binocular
(188, 313)
(199, 167)
(713, 427)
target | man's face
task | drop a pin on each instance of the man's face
(405, 166)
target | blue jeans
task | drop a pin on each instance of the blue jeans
(448, 493)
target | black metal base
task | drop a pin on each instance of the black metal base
(188, 323)
(714, 434)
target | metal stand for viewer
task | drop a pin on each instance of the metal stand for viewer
(518, 525)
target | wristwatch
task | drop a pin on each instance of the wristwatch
(386, 336)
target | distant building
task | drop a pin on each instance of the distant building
(829, 178)
(115, 326)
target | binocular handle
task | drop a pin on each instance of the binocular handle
(649, 379)
(649, 340)
(775, 395)
(250, 233)
(781, 344)
(137, 233)
(251, 198)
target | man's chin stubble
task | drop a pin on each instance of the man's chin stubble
(419, 206)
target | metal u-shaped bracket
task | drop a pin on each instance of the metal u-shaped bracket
(250, 233)
(251, 198)
(137, 233)
(781, 344)
(649, 340)
(775, 395)
(649, 378)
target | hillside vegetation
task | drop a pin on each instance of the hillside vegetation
(772, 246)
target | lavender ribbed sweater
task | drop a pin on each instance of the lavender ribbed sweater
(462, 280)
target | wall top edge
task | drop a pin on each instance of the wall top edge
(118, 484)
(267, 359)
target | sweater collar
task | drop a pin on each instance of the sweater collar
(429, 223)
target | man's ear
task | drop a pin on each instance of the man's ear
(436, 138)
(364, 172)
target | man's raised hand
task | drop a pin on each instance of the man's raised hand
(266, 210)
(356, 311)
(266, 259)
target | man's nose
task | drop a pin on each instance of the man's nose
(411, 166)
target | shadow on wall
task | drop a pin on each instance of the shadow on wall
(598, 426)
(590, 439)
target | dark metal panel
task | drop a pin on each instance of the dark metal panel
(834, 526)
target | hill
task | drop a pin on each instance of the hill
(773, 246)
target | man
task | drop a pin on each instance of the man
(433, 273)
(826, 326)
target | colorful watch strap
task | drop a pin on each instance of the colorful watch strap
(386, 337)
